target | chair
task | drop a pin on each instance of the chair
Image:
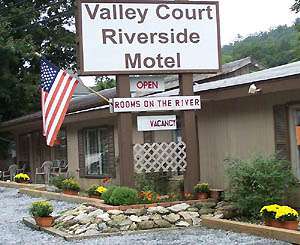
(44, 170)
(59, 168)
(10, 173)
(63, 167)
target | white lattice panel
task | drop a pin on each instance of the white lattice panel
(155, 157)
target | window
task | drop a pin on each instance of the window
(95, 152)
(295, 139)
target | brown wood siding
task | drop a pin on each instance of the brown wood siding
(282, 134)
(81, 153)
(148, 137)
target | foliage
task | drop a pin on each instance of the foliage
(41, 209)
(286, 213)
(201, 188)
(257, 182)
(70, 184)
(96, 190)
(106, 195)
(271, 48)
(148, 197)
(57, 181)
(296, 6)
(22, 177)
(155, 182)
(104, 82)
(123, 196)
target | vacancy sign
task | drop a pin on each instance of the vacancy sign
(153, 123)
(147, 84)
(148, 37)
(175, 103)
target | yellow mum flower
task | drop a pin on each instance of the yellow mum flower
(101, 189)
(286, 210)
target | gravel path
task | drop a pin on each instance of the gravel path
(14, 207)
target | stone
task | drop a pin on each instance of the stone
(93, 227)
(119, 217)
(101, 226)
(196, 221)
(83, 218)
(172, 218)
(137, 211)
(182, 224)
(144, 218)
(91, 232)
(209, 205)
(218, 215)
(95, 213)
(113, 223)
(105, 217)
(188, 215)
(179, 207)
(124, 228)
(114, 212)
(155, 217)
(133, 227)
(161, 223)
(158, 209)
(111, 230)
(135, 218)
(68, 218)
(229, 211)
(73, 227)
(126, 222)
(145, 225)
(204, 211)
(192, 209)
(80, 230)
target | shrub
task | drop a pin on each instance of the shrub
(257, 182)
(106, 195)
(123, 196)
(70, 184)
(57, 181)
(201, 188)
(41, 209)
(156, 182)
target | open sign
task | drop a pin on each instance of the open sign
(147, 84)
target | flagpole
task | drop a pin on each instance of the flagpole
(80, 81)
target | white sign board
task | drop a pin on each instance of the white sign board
(153, 123)
(147, 84)
(175, 103)
(143, 37)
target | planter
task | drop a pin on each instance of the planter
(202, 195)
(290, 225)
(216, 194)
(44, 221)
(70, 192)
(22, 181)
(95, 196)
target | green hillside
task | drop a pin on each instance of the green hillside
(272, 48)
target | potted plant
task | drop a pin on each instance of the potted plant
(41, 211)
(201, 190)
(70, 187)
(22, 178)
(96, 191)
(287, 217)
(268, 215)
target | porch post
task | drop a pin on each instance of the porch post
(126, 165)
(189, 135)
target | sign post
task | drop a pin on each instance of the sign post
(152, 37)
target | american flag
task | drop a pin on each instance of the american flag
(57, 88)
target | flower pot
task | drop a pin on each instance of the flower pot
(202, 195)
(44, 221)
(276, 223)
(70, 192)
(290, 225)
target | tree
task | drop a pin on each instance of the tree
(27, 27)
(296, 6)
(104, 82)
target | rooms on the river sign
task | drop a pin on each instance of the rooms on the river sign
(148, 37)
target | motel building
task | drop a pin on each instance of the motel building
(233, 122)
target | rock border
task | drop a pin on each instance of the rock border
(55, 232)
(252, 229)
